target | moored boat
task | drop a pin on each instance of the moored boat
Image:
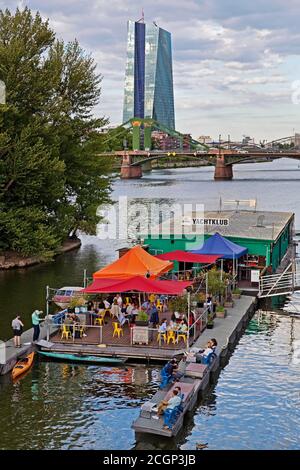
(82, 358)
(22, 365)
(64, 295)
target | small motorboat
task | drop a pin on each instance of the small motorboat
(64, 295)
(23, 364)
(82, 358)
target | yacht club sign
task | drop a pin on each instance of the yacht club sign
(205, 221)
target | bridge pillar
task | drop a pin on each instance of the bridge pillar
(147, 166)
(223, 171)
(127, 170)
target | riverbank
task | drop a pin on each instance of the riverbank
(13, 260)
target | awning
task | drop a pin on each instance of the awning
(188, 257)
(137, 284)
(136, 262)
(218, 244)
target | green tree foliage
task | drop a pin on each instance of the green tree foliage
(51, 180)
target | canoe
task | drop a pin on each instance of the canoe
(22, 365)
(82, 358)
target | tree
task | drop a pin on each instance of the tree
(51, 181)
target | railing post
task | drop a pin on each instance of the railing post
(47, 313)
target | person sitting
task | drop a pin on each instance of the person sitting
(182, 327)
(101, 306)
(128, 312)
(90, 305)
(208, 351)
(163, 326)
(122, 318)
(170, 404)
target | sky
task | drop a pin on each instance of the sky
(236, 64)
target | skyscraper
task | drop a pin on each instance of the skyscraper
(149, 76)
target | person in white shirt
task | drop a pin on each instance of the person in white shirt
(17, 327)
(115, 309)
(106, 304)
(119, 300)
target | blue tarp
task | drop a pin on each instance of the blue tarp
(218, 245)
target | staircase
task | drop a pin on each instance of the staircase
(281, 283)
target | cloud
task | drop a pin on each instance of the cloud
(229, 55)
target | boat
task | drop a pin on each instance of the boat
(64, 295)
(82, 358)
(22, 365)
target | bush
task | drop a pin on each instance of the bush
(236, 291)
(142, 316)
(220, 308)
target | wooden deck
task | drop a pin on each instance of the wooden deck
(107, 345)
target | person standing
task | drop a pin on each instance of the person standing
(17, 327)
(35, 317)
(153, 320)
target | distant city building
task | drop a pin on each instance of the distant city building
(205, 139)
(149, 76)
(163, 141)
(297, 140)
(247, 140)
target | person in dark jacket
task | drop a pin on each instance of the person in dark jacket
(153, 319)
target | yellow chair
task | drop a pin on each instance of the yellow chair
(66, 333)
(127, 300)
(163, 336)
(98, 321)
(79, 328)
(171, 337)
(118, 330)
(183, 336)
(159, 305)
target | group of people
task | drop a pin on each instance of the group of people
(17, 327)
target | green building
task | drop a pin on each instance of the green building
(267, 235)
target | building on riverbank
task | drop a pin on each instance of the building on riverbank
(267, 235)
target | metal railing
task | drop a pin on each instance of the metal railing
(280, 284)
(55, 326)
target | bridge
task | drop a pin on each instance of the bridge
(136, 160)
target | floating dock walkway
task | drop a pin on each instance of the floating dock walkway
(9, 355)
(197, 377)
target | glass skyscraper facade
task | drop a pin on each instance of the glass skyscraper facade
(149, 76)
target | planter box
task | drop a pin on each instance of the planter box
(236, 296)
(141, 323)
(210, 326)
(221, 314)
(140, 335)
(229, 304)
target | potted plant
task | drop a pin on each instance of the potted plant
(142, 319)
(236, 293)
(77, 303)
(221, 311)
(228, 302)
(210, 321)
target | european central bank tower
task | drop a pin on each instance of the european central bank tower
(149, 77)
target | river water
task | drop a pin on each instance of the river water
(256, 402)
